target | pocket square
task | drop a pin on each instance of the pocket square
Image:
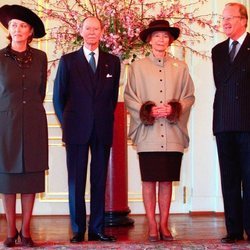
(108, 76)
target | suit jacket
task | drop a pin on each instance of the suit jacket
(232, 82)
(171, 81)
(23, 122)
(84, 101)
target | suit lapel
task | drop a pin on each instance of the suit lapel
(223, 60)
(240, 58)
(243, 53)
(89, 79)
(83, 66)
(102, 70)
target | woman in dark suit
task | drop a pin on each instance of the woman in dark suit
(23, 124)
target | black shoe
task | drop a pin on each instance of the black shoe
(26, 241)
(101, 237)
(77, 237)
(231, 239)
(11, 241)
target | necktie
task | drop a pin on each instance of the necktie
(232, 51)
(92, 61)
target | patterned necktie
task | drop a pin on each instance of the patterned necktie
(92, 61)
(232, 51)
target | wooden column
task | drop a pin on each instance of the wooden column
(116, 201)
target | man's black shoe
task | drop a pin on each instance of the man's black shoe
(77, 237)
(101, 237)
(231, 239)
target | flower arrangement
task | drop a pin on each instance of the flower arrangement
(123, 20)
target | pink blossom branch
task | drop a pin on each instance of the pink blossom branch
(123, 20)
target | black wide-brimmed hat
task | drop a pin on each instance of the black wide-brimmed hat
(159, 25)
(8, 12)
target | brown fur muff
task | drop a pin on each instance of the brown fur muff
(145, 113)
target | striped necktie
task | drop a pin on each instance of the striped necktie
(92, 61)
(232, 52)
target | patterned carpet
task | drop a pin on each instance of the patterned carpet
(175, 245)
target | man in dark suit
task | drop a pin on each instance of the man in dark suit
(84, 100)
(231, 120)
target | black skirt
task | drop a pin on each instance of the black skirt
(23, 183)
(160, 166)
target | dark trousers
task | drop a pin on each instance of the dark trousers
(77, 161)
(234, 158)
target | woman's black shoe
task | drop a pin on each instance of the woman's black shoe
(166, 237)
(11, 241)
(26, 242)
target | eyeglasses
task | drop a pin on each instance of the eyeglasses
(230, 18)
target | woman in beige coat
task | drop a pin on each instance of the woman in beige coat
(159, 95)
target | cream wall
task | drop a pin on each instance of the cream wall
(199, 188)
